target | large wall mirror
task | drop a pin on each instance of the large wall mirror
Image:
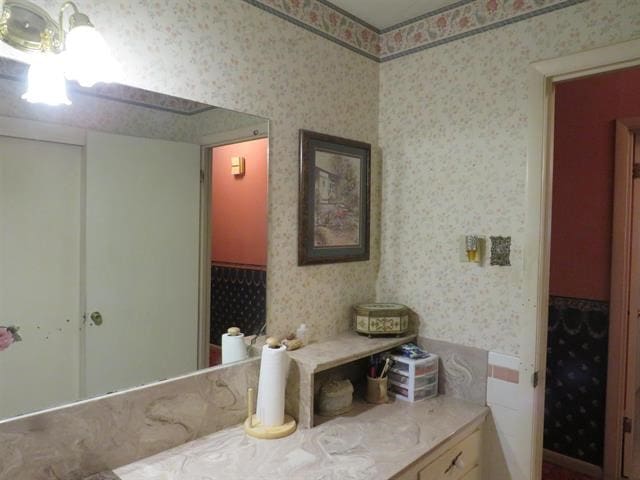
(129, 238)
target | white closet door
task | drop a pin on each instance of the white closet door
(40, 215)
(142, 238)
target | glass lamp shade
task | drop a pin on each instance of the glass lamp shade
(87, 58)
(46, 83)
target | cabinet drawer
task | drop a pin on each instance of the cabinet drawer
(473, 474)
(456, 462)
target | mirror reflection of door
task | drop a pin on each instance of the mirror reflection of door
(104, 205)
(238, 240)
(142, 231)
(138, 190)
(40, 218)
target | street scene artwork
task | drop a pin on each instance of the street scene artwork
(337, 200)
(333, 208)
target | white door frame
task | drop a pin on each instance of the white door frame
(542, 75)
(204, 293)
(623, 305)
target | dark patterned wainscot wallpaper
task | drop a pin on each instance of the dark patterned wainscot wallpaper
(576, 378)
(238, 299)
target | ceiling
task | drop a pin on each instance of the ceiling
(386, 13)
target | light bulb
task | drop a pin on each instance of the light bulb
(87, 57)
(46, 83)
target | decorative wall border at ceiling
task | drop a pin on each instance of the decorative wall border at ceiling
(463, 19)
(327, 20)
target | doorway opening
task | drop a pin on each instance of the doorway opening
(588, 369)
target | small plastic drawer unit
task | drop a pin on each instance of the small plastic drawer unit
(414, 380)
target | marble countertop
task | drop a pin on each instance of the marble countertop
(373, 444)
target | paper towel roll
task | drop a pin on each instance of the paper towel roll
(233, 348)
(274, 367)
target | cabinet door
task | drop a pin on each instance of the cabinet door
(142, 260)
(456, 462)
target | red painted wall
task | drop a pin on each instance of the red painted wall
(584, 146)
(239, 205)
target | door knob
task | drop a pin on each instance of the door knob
(96, 318)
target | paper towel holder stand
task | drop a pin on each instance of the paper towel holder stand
(254, 428)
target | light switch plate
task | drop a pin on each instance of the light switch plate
(501, 251)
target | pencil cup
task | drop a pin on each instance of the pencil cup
(377, 390)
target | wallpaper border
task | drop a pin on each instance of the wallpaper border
(438, 27)
(326, 33)
(481, 29)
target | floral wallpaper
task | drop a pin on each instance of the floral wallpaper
(145, 97)
(14, 71)
(453, 131)
(230, 54)
(96, 113)
(221, 120)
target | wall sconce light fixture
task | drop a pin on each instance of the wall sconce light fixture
(78, 53)
(237, 166)
(473, 248)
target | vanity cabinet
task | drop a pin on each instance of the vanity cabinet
(460, 458)
(473, 474)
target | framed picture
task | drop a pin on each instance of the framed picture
(333, 215)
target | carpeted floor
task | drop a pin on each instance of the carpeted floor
(554, 472)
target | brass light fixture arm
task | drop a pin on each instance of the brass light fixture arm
(64, 6)
(76, 19)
